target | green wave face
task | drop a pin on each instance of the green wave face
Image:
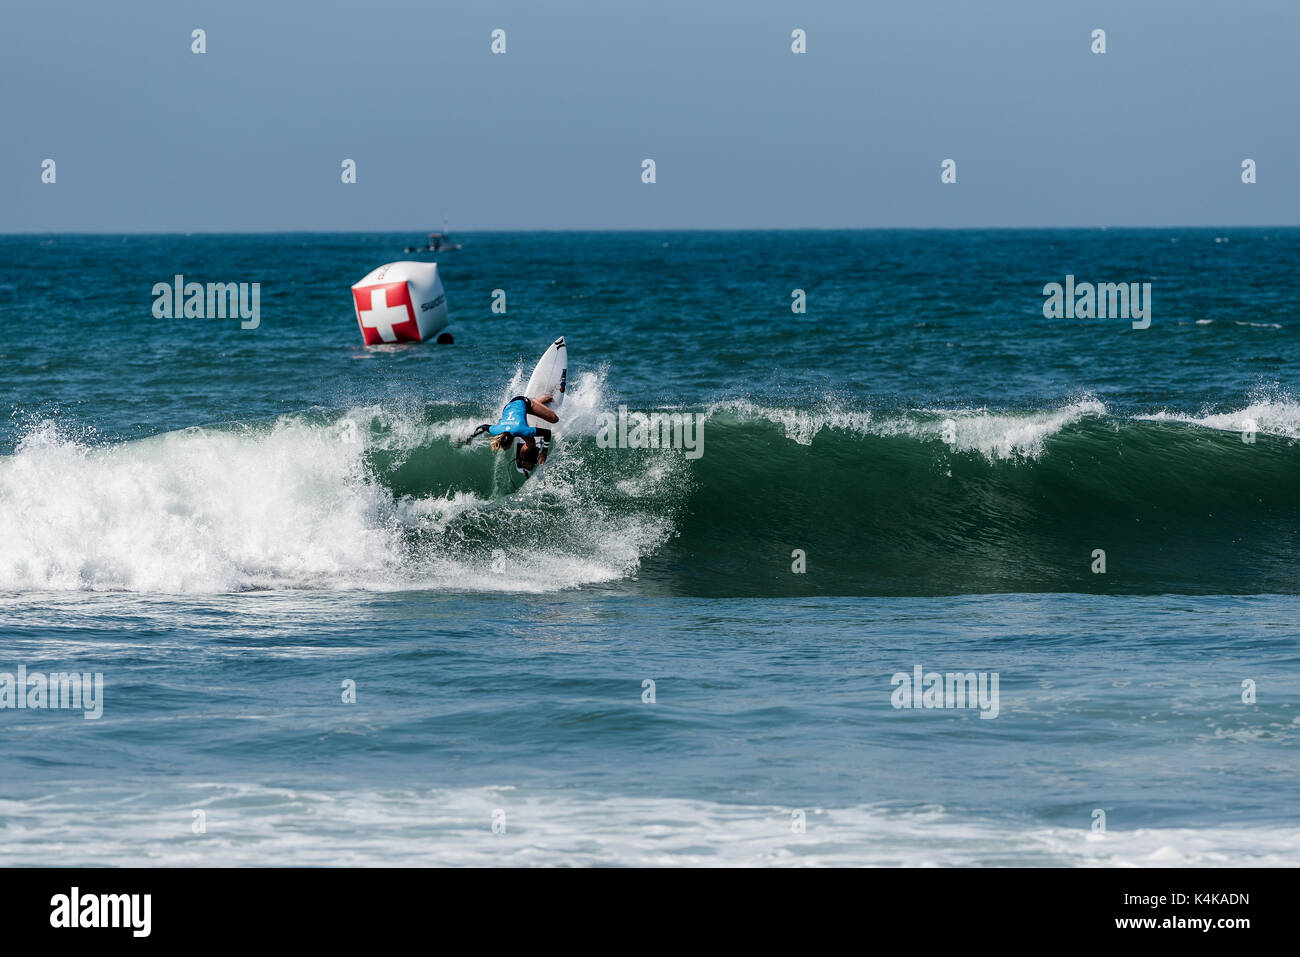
(888, 507)
(1173, 511)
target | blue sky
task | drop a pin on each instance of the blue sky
(148, 136)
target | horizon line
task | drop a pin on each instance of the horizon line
(626, 229)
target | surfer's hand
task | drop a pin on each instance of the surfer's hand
(473, 435)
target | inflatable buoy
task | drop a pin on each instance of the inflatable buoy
(400, 302)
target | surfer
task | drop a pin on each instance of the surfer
(513, 424)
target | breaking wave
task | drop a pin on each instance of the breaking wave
(929, 501)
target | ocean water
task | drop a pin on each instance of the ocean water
(651, 657)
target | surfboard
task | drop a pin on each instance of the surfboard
(550, 377)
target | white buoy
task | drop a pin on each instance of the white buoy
(400, 302)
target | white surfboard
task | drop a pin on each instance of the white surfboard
(549, 378)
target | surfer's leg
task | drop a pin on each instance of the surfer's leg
(538, 408)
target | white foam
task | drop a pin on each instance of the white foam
(1277, 415)
(1000, 436)
(293, 505)
(800, 425)
(197, 510)
(252, 825)
(994, 435)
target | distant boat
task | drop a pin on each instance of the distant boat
(438, 242)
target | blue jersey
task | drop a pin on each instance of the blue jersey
(514, 419)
